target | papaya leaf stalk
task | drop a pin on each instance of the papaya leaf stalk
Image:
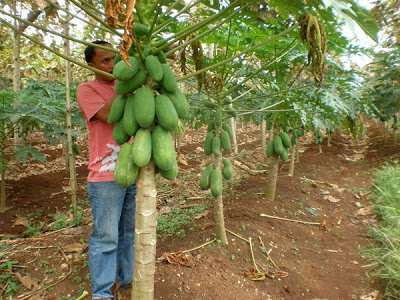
(194, 27)
(158, 11)
(95, 16)
(56, 52)
(250, 76)
(202, 34)
(68, 37)
(75, 16)
(159, 28)
(240, 54)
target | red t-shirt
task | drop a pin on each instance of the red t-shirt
(103, 150)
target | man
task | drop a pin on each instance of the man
(113, 208)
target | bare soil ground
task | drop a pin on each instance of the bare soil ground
(297, 260)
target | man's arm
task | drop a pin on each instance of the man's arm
(92, 104)
(103, 113)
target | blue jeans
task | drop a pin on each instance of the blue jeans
(112, 240)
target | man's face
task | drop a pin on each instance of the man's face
(104, 61)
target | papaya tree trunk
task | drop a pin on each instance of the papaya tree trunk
(71, 157)
(263, 139)
(271, 132)
(3, 196)
(145, 234)
(16, 70)
(219, 209)
(329, 140)
(395, 137)
(178, 143)
(232, 124)
(297, 154)
(320, 148)
(272, 178)
(292, 158)
(384, 131)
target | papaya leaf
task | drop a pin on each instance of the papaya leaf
(286, 8)
(27, 153)
(146, 10)
(359, 14)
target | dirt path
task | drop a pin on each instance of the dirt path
(315, 261)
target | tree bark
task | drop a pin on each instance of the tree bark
(3, 195)
(70, 153)
(232, 124)
(16, 71)
(272, 178)
(263, 139)
(383, 132)
(145, 234)
(32, 16)
(219, 209)
(292, 158)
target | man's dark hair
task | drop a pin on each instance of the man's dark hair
(90, 51)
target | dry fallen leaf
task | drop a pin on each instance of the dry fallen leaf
(41, 3)
(179, 259)
(182, 160)
(355, 157)
(72, 231)
(26, 281)
(255, 276)
(364, 211)
(323, 192)
(371, 296)
(331, 199)
(337, 188)
(201, 215)
(73, 248)
(21, 222)
(37, 297)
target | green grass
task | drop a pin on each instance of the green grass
(59, 221)
(8, 279)
(384, 253)
(177, 222)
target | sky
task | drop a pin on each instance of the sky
(358, 37)
(351, 30)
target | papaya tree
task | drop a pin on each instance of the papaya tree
(141, 72)
(69, 142)
(217, 143)
(27, 115)
(383, 87)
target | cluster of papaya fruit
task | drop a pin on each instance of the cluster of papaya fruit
(149, 106)
(296, 133)
(218, 139)
(395, 124)
(379, 113)
(318, 137)
(279, 145)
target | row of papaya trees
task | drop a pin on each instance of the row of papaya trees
(226, 61)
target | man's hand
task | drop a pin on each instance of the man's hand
(103, 113)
